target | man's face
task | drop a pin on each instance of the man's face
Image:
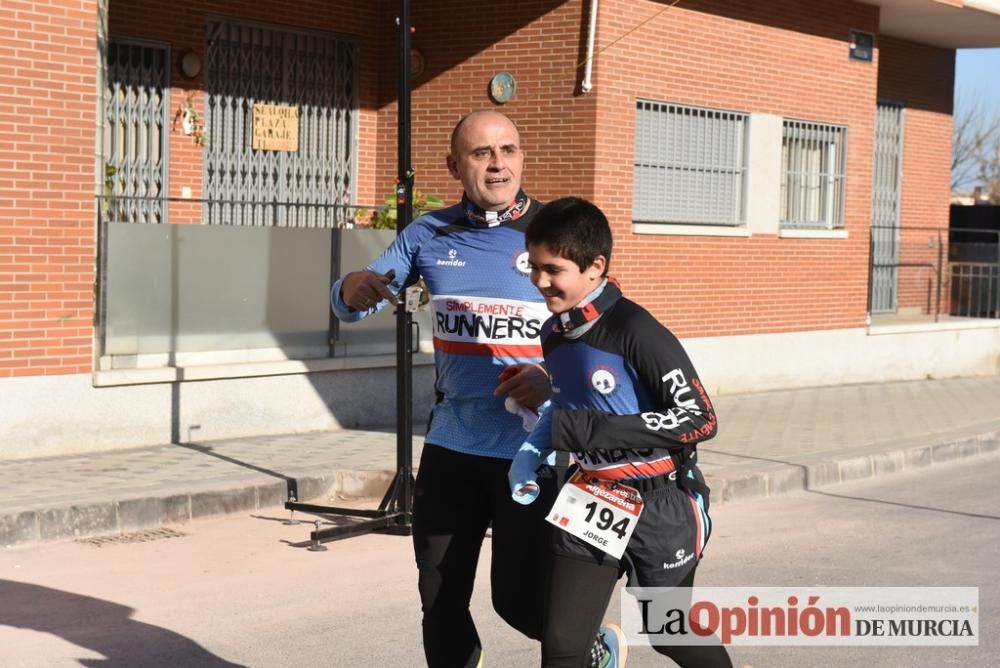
(487, 159)
(560, 281)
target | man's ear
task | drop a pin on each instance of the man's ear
(452, 166)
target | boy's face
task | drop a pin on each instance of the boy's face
(560, 280)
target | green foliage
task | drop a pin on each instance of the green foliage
(385, 218)
(108, 190)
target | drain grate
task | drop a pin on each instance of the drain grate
(145, 536)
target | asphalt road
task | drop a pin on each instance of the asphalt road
(236, 591)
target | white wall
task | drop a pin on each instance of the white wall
(55, 415)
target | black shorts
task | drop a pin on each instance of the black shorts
(667, 542)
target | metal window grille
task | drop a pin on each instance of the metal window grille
(812, 175)
(887, 178)
(135, 141)
(690, 165)
(315, 71)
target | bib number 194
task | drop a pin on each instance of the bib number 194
(600, 513)
(606, 520)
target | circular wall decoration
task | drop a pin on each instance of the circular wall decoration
(502, 87)
(416, 63)
(190, 64)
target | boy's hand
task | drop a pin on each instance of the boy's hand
(523, 472)
(527, 492)
(361, 290)
(527, 384)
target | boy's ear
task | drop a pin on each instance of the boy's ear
(597, 267)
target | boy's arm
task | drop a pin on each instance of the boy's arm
(684, 413)
(399, 257)
(534, 452)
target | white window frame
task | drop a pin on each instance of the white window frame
(813, 175)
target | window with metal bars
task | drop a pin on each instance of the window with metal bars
(135, 140)
(690, 165)
(316, 72)
(812, 175)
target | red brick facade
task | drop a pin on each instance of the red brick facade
(786, 58)
(48, 117)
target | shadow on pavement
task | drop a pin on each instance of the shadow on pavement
(812, 489)
(102, 626)
(905, 505)
(291, 484)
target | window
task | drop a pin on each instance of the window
(315, 72)
(135, 115)
(812, 175)
(689, 165)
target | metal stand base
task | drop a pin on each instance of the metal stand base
(393, 515)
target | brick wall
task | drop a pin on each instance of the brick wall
(783, 58)
(922, 79)
(786, 58)
(48, 88)
(540, 44)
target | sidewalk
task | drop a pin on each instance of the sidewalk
(769, 443)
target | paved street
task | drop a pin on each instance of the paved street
(234, 591)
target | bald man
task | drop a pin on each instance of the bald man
(487, 317)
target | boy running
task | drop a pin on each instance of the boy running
(629, 406)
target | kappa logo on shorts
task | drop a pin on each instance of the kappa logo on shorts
(603, 380)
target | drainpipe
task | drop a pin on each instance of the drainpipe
(586, 85)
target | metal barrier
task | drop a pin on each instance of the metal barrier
(930, 272)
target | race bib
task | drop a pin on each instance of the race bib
(601, 513)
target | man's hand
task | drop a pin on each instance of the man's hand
(527, 384)
(361, 290)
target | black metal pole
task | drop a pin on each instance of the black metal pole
(940, 275)
(871, 274)
(404, 349)
(395, 513)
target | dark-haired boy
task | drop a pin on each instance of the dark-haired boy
(629, 406)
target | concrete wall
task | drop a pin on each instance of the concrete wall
(44, 416)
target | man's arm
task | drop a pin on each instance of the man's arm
(362, 293)
(684, 413)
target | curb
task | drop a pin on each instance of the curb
(794, 476)
(102, 518)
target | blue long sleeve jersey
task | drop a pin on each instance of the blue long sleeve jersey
(625, 396)
(487, 315)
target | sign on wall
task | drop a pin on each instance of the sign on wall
(275, 127)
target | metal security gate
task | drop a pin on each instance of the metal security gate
(135, 141)
(886, 183)
(314, 71)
